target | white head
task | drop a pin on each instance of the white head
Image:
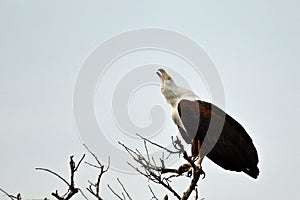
(171, 91)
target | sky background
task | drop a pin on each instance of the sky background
(253, 44)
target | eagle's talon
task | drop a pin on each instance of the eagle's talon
(202, 173)
(190, 173)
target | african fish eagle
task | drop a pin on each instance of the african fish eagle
(233, 149)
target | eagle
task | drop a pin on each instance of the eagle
(232, 149)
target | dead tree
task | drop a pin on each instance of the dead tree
(160, 174)
(154, 169)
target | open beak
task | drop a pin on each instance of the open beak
(162, 74)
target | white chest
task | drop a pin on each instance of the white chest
(176, 118)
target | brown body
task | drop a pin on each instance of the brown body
(233, 149)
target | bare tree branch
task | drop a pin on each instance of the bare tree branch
(151, 171)
(154, 169)
(157, 174)
(153, 194)
(72, 190)
(124, 191)
(96, 191)
(12, 197)
(54, 173)
(161, 147)
(116, 194)
(79, 163)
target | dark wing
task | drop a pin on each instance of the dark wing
(233, 149)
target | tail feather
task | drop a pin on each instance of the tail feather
(253, 172)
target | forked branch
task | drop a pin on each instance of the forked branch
(72, 190)
(94, 188)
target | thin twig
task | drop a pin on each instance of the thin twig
(12, 197)
(153, 194)
(124, 189)
(114, 192)
(96, 191)
(155, 144)
(54, 173)
(79, 162)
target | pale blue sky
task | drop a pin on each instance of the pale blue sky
(253, 44)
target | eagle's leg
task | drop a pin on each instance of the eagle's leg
(202, 172)
(199, 164)
(195, 150)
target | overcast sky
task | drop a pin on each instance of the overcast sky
(254, 46)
